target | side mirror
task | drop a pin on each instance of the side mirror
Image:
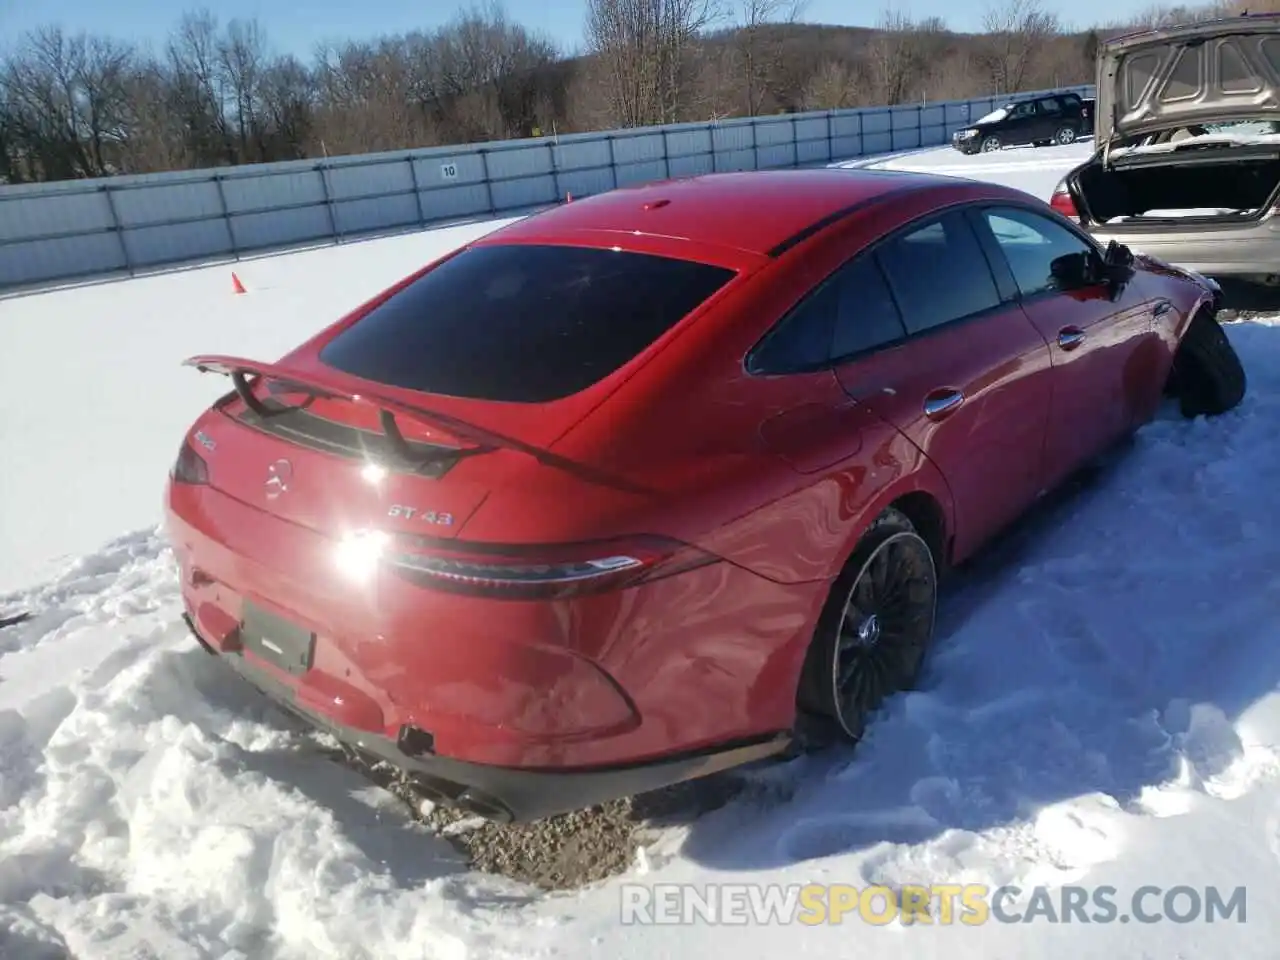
(1118, 256)
(1117, 267)
(1072, 271)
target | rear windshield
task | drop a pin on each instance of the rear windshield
(522, 323)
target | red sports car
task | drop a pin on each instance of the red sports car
(623, 493)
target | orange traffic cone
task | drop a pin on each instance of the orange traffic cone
(236, 285)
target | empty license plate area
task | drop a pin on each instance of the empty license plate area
(277, 640)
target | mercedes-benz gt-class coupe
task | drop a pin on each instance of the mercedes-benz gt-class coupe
(629, 491)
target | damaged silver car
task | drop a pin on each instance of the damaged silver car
(1188, 161)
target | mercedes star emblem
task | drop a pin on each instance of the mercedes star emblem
(278, 476)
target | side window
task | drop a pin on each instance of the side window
(802, 340)
(1030, 243)
(1023, 109)
(938, 273)
(1050, 106)
(868, 317)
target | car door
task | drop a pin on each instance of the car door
(1094, 340)
(1073, 111)
(1020, 127)
(967, 382)
(1049, 117)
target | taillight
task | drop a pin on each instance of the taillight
(1062, 202)
(189, 467)
(545, 572)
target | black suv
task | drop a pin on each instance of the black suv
(1054, 118)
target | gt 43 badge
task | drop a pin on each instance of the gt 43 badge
(426, 516)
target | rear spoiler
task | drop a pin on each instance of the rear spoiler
(324, 386)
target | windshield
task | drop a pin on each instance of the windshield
(995, 116)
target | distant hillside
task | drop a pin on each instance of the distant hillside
(83, 106)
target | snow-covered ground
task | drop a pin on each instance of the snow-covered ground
(1101, 710)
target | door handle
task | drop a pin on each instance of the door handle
(942, 403)
(1070, 337)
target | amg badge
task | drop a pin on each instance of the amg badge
(426, 516)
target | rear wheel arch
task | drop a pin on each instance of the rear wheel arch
(924, 499)
(927, 515)
(922, 502)
(1207, 303)
(1206, 374)
(821, 711)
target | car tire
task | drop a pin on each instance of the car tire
(874, 630)
(991, 144)
(1065, 136)
(1207, 377)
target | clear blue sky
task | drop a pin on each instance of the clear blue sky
(297, 27)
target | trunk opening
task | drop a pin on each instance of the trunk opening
(1155, 190)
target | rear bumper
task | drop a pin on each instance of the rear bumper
(522, 708)
(504, 794)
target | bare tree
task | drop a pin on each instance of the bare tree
(896, 57)
(758, 43)
(491, 72)
(199, 92)
(11, 169)
(1161, 15)
(479, 77)
(1089, 51)
(102, 70)
(158, 137)
(958, 76)
(287, 94)
(66, 100)
(1017, 33)
(588, 100)
(643, 44)
(368, 99)
(241, 60)
(832, 87)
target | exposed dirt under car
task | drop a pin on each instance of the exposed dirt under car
(575, 849)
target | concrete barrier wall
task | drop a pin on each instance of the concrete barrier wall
(78, 229)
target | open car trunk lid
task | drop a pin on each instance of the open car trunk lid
(1211, 72)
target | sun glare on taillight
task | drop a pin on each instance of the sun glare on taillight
(1062, 202)
(546, 572)
(189, 467)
